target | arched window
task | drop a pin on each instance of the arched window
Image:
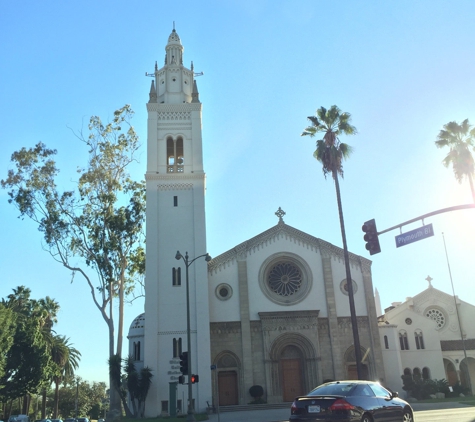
(386, 342)
(176, 276)
(136, 350)
(403, 341)
(176, 347)
(175, 157)
(419, 339)
(426, 373)
(416, 373)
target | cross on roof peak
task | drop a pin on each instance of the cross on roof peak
(280, 213)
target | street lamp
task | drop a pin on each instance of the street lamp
(190, 417)
(77, 397)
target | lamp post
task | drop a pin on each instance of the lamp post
(190, 417)
(77, 397)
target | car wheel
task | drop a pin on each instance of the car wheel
(366, 418)
(407, 416)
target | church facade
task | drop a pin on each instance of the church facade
(272, 311)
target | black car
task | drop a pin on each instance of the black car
(350, 401)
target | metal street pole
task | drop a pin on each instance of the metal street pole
(190, 414)
(458, 318)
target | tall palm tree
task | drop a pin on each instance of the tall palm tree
(460, 138)
(331, 152)
(67, 359)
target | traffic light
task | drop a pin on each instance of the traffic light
(181, 379)
(371, 237)
(184, 363)
(194, 379)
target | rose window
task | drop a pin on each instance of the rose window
(285, 278)
(437, 316)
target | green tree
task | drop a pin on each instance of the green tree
(96, 231)
(8, 324)
(27, 362)
(66, 357)
(460, 138)
(331, 152)
(135, 383)
(138, 384)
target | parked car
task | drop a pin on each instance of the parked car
(70, 420)
(82, 420)
(56, 420)
(350, 401)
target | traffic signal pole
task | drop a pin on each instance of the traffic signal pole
(367, 226)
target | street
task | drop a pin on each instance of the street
(459, 414)
(448, 415)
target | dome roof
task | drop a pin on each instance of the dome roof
(174, 38)
(137, 328)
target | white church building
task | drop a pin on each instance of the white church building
(431, 336)
(272, 311)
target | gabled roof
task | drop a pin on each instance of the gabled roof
(282, 230)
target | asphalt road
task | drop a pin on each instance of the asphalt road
(423, 412)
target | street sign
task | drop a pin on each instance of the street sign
(414, 235)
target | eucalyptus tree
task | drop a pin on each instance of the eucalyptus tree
(330, 152)
(97, 229)
(460, 138)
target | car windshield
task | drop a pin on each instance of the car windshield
(336, 389)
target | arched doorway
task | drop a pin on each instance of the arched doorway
(350, 361)
(227, 378)
(450, 372)
(291, 366)
(467, 372)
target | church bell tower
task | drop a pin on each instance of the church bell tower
(175, 182)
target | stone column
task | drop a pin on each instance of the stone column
(335, 348)
(247, 364)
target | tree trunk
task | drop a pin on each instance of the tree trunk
(349, 282)
(56, 398)
(470, 180)
(43, 404)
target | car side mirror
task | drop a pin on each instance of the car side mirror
(394, 394)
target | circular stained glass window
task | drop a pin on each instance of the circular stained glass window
(437, 315)
(284, 278)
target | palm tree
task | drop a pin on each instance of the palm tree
(460, 138)
(67, 359)
(331, 152)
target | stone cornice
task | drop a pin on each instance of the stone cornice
(282, 230)
(175, 177)
(173, 108)
(288, 314)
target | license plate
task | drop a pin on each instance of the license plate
(313, 409)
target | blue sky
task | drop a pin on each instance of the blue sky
(401, 68)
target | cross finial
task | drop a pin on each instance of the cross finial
(280, 213)
(429, 279)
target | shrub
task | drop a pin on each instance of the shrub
(422, 389)
(256, 392)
